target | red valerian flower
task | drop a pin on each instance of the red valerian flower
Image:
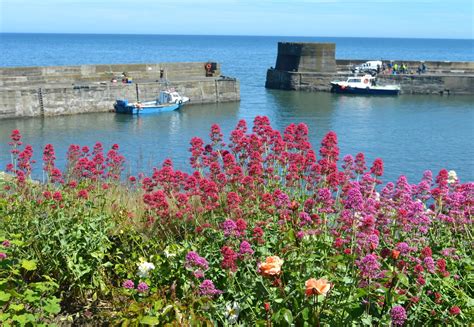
(377, 167)
(57, 196)
(455, 310)
(230, 258)
(267, 306)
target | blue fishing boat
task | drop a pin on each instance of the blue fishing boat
(363, 85)
(167, 101)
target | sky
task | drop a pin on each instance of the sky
(452, 19)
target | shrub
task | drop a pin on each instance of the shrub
(261, 231)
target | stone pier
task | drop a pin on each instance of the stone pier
(46, 91)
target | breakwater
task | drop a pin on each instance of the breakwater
(311, 67)
(47, 91)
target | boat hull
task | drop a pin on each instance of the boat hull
(365, 91)
(123, 107)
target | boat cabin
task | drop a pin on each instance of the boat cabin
(361, 81)
(168, 97)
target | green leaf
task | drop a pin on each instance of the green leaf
(134, 308)
(17, 242)
(403, 279)
(28, 265)
(4, 297)
(348, 280)
(52, 306)
(366, 320)
(149, 320)
(305, 314)
(158, 305)
(167, 309)
(21, 319)
(291, 235)
(278, 300)
(360, 293)
(288, 316)
(4, 316)
(470, 302)
(24, 318)
(30, 296)
(16, 307)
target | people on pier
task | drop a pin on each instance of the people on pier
(421, 68)
(395, 69)
(126, 79)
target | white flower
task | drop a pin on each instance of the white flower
(452, 177)
(144, 268)
(377, 196)
(232, 311)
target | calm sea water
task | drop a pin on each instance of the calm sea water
(411, 133)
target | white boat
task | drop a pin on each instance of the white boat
(366, 84)
(168, 100)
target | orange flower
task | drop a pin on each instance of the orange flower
(395, 254)
(271, 266)
(317, 286)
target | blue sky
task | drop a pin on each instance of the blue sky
(369, 18)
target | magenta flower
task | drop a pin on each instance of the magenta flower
(207, 288)
(245, 248)
(403, 247)
(193, 260)
(128, 284)
(142, 287)
(198, 274)
(369, 266)
(229, 227)
(398, 315)
(429, 263)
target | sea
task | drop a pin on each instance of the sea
(411, 133)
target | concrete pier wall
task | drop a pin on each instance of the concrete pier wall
(36, 91)
(309, 57)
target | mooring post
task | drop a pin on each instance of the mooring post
(138, 95)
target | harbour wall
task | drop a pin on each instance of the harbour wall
(312, 66)
(443, 84)
(47, 91)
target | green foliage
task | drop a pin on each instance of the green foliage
(23, 301)
(68, 241)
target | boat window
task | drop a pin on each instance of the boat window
(354, 80)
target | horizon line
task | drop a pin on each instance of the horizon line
(243, 35)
